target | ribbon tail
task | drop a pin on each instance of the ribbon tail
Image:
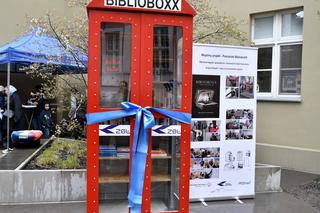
(136, 209)
(137, 130)
(99, 117)
(137, 179)
(138, 168)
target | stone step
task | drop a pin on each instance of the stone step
(19, 186)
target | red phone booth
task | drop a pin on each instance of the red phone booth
(139, 51)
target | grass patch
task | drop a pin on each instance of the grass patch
(63, 154)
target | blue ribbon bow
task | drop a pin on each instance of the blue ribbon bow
(143, 122)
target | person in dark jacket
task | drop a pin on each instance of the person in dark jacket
(46, 120)
(2, 109)
(15, 112)
(16, 108)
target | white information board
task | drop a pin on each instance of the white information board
(223, 135)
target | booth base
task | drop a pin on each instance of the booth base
(122, 206)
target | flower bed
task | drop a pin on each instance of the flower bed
(61, 154)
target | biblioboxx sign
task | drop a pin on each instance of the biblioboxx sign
(172, 5)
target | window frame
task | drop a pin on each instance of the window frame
(267, 94)
(276, 42)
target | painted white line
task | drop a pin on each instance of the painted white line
(203, 202)
(238, 200)
(3, 153)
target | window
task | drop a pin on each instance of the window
(167, 67)
(279, 38)
(115, 64)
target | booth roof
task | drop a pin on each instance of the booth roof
(186, 8)
(37, 47)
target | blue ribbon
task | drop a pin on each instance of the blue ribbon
(144, 120)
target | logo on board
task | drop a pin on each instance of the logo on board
(224, 183)
(171, 5)
(124, 130)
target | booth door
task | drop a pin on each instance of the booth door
(141, 62)
(119, 77)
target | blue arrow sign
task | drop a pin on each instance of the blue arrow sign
(108, 128)
(222, 183)
(159, 130)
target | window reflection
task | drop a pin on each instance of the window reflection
(115, 64)
(167, 67)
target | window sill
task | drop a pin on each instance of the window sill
(295, 99)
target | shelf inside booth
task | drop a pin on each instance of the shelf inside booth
(114, 170)
(127, 158)
(125, 178)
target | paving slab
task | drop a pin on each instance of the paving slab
(13, 159)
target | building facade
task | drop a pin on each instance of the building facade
(13, 26)
(287, 34)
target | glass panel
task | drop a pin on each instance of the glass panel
(113, 173)
(264, 81)
(292, 24)
(265, 58)
(167, 67)
(291, 56)
(115, 64)
(165, 181)
(263, 27)
(290, 81)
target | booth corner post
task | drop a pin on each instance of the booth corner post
(139, 51)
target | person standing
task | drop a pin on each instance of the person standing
(2, 109)
(46, 120)
(15, 112)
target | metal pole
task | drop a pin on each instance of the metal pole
(8, 105)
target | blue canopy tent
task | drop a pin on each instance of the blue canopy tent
(37, 47)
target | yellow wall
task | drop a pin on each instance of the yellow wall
(288, 127)
(14, 13)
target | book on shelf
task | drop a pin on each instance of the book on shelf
(123, 151)
(159, 153)
(123, 155)
(107, 147)
(107, 151)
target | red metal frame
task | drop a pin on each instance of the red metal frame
(141, 87)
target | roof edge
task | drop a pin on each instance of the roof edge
(186, 8)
